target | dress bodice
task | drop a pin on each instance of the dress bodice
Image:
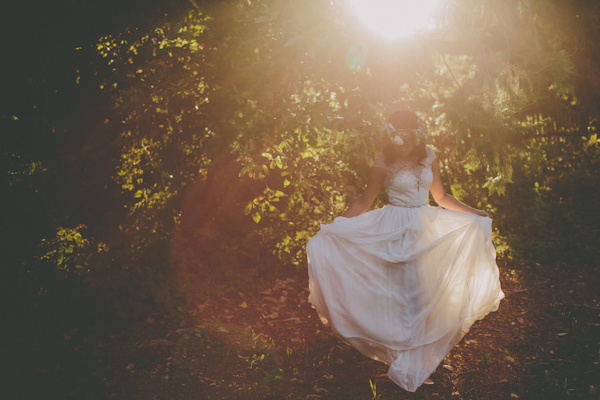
(407, 182)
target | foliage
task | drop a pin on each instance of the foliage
(70, 251)
(553, 199)
(231, 131)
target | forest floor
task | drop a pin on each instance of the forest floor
(543, 343)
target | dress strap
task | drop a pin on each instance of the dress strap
(429, 157)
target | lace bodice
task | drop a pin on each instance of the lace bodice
(407, 183)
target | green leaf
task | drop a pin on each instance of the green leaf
(256, 217)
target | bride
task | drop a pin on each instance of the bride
(404, 283)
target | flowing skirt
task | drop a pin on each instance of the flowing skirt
(404, 285)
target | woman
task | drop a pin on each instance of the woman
(404, 283)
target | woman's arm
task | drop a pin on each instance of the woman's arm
(446, 200)
(364, 202)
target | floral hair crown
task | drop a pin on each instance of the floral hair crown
(397, 136)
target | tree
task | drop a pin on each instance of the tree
(239, 127)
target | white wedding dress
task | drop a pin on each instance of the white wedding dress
(404, 283)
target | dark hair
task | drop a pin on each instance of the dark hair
(403, 120)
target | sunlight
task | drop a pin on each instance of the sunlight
(396, 18)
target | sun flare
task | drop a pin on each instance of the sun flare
(396, 18)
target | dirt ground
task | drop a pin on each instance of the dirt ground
(543, 343)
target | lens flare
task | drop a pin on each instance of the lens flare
(356, 57)
(396, 18)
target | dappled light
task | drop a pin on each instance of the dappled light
(165, 166)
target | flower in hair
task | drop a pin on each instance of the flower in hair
(397, 136)
(398, 140)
